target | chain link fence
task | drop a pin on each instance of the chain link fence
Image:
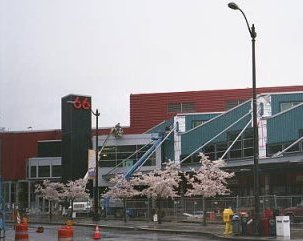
(187, 208)
(192, 208)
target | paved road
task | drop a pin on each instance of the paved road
(85, 234)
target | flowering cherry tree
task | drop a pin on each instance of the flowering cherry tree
(51, 191)
(209, 180)
(121, 189)
(160, 184)
(75, 190)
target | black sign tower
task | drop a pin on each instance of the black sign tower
(76, 135)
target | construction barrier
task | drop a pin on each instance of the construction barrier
(21, 232)
(97, 234)
(65, 233)
(212, 216)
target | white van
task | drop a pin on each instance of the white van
(81, 207)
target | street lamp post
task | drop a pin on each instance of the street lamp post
(118, 132)
(96, 216)
(253, 35)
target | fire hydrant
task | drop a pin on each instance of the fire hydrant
(227, 219)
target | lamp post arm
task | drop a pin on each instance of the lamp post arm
(251, 30)
(97, 113)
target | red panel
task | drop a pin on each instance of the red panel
(17, 147)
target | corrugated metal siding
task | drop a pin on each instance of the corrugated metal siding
(147, 110)
(276, 100)
(285, 127)
(195, 138)
(201, 117)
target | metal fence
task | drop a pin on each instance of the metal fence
(192, 208)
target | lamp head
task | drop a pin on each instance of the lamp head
(233, 6)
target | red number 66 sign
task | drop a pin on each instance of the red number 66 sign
(82, 103)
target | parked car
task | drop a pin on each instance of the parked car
(195, 215)
(295, 213)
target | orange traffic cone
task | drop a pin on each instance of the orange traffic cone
(66, 233)
(21, 232)
(97, 233)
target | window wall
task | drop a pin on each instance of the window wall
(124, 156)
(242, 148)
(181, 107)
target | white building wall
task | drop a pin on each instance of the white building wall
(180, 121)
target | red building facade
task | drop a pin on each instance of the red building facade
(146, 111)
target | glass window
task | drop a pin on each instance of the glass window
(237, 145)
(126, 148)
(235, 154)
(220, 149)
(174, 107)
(180, 107)
(248, 143)
(294, 148)
(248, 152)
(232, 135)
(6, 192)
(232, 103)
(13, 192)
(107, 163)
(288, 105)
(197, 123)
(44, 171)
(125, 155)
(209, 148)
(151, 161)
(49, 148)
(274, 148)
(33, 171)
(56, 171)
(187, 107)
(249, 133)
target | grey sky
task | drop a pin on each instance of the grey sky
(109, 49)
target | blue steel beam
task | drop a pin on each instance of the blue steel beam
(142, 159)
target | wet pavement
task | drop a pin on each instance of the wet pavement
(172, 230)
(83, 233)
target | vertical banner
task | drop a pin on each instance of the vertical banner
(264, 111)
(91, 164)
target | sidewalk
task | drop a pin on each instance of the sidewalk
(210, 230)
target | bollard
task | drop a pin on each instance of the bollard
(65, 233)
(21, 232)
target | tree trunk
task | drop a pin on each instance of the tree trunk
(50, 211)
(204, 211)
(159, 211)
(72, 209)
(124, 210)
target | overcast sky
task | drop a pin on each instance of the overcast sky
(109, 49)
